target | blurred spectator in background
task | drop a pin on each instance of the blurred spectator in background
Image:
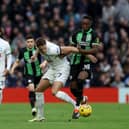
(108, 11)
(57, 19)
(121, 13)
(117, 82)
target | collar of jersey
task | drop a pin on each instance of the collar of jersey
(88, 31)
(30, 49)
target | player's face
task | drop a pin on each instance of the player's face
(42, 48)
(86, 24)
(30, 43)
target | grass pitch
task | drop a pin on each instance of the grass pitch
(58, 115)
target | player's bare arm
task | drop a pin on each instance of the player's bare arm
(93, 50)
(35, 55)
(65, 50)
(16, 64)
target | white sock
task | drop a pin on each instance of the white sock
(63, 96)
(40, 104)
(1, 96)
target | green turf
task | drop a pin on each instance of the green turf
(104, 116)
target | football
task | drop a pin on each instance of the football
(85, 110)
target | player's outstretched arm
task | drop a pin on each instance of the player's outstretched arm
(93, 50)
(65, 50)
(97, 47)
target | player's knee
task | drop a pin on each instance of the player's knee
(54, 93)
(83, 75)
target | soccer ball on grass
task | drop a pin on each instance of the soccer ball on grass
(85, 110)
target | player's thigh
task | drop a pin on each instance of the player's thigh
(83, 75)
(56, 87)
(49, 75)
(43, 85)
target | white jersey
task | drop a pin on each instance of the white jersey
(4, 51)
(59, 67)
(53, 54)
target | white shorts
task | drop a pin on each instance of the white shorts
(59, 73)
(2, 82)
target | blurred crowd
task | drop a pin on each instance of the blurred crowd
(58, 19)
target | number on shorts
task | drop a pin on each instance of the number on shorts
(58, 74)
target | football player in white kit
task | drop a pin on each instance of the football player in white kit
(5, 62)
(58, 68)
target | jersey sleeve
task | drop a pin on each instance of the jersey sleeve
(95, 40)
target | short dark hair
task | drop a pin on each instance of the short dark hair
(40, 41)
(87, 17)
(29, 36)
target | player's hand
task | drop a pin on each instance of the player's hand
(6, 72)
(33, 58)
(11, 72)
(79, 46)
(92, 58)
(43, 66)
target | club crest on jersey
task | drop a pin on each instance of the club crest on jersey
(82, 43)
(88, 38)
